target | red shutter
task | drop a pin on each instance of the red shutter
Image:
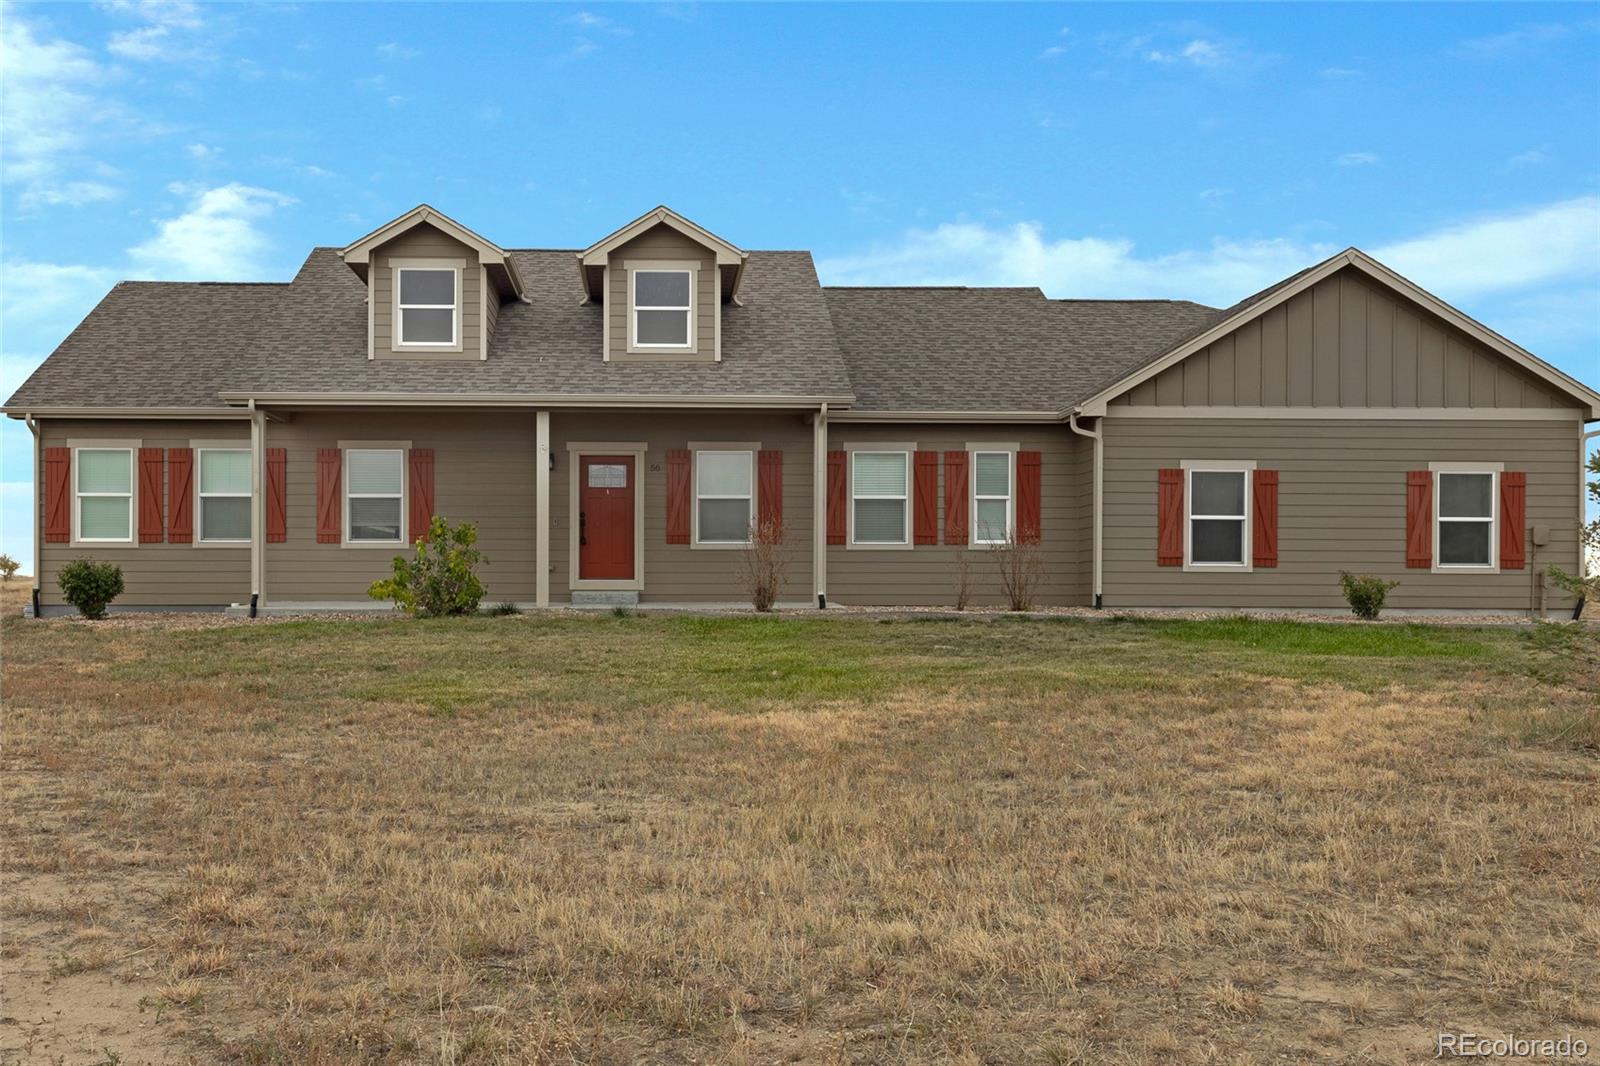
(277, 509)
(1028, 497)
(769, 467)
(180, 495)
(330, 510)
(1169, 517)
(421, 490)
(926, 524)
(955, 497)
(1265, 521)
(151, 467)
(678, 496)
(1419, 519)
(836, 497)
(1513, 519)
(57, 495)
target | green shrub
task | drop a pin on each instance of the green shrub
(443, 579)
(9, 567)
(1365, 593)
(500, 610)
(90, 586)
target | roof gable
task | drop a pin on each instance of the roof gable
(359, 253)
(729, 257)
(1252, 308)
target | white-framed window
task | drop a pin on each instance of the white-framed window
(103, 495)
(724, 496)
(374, 495)
(427, 306)
(880, 484)
(663, 308)
(1217, 514)
(993, 490)
(1465, 532)
(224, 492)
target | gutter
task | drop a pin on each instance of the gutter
(199, 414)
(1097, 435)
(490, 399)
(944, 416)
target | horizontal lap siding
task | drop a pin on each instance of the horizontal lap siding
(926, 575)
(1341, 506)
(1344, 343)
(424, 242)
(681, 573)
(664, 243)
(483, 472)
(154, 574)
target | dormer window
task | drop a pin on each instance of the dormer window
(428, 306)
(663, 308)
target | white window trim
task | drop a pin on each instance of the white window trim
(866, 448)
(200, 539)
(576, 450)
(132, 448)
(725, 448)
(1494, 470)
(973, 451)
(665, 266)
(1246, 467)
(398, 267)
(345, 448)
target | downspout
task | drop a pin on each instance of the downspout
(1583, 500)
(257, 431)
(1099, 480)
(819, 506)
(38, 510)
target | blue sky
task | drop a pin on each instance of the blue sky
(1195, 151)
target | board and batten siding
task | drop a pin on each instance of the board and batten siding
(926, 574)
(1341, 506)
(483, 472)
(164, 575)
(425, 242)
(682, 573)
(662, 242)
(1344, 343)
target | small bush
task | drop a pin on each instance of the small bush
(9, 567)
(1021, 564)
(963, 575)
(500, 610)
(90, 586)
(765, 560)
(1365, 593)
(443, 579)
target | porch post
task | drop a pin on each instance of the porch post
(541, 505)
(257, 512)
(819, 504)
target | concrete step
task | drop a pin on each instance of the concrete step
(605, 598)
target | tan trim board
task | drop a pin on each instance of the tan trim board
(1498, 414)
(131, 446)
(597, 446)
(541, 501)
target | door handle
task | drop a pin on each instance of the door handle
(583, 522)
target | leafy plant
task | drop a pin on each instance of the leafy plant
(1365, 593)
(963, 576)
(9, 567)
(765, 564)
(500, 610)
(90, 586)
(442, 579)
(1588, 546)
(1021, 565)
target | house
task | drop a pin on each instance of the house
(615, 419)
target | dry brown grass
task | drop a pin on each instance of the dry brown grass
(742, 841)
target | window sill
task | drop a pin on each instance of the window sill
(1465, 568)
(852, 546)
(198, 543)
(391, 545)
(1225, 568)
(727, 545)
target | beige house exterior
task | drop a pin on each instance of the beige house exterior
(615, 418)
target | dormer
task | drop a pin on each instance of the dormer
(434, 287)
(663, 282)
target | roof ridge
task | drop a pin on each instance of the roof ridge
(161, 281)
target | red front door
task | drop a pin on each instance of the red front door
(605, 517)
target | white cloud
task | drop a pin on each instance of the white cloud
(203, 152)
(1356, 159)
(1053, 52)
(1513, 42)
(69, 194)
(170, 31)
(1198, 52)
(395, 50)
(1531, 158)
(590, 22)
(216, 239)
(1498, 253)
(1502, 254)
(48, 104)
(33, 293)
